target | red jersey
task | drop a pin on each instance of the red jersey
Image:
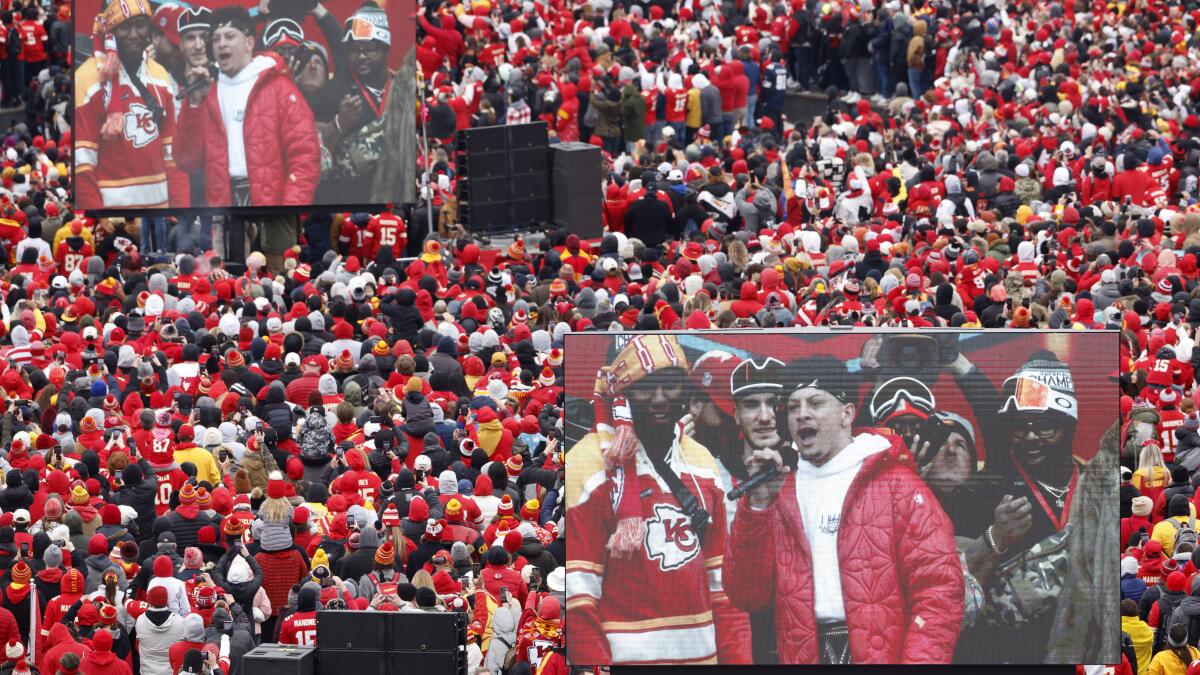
(1170, 420)
(299, 629)
(673, 570)
(971, 281)
(136, 166)
(69, 257)
(168, 482)
(386, 231)
(365, 483)
(33, 41)
(352, 239)
(677, 105)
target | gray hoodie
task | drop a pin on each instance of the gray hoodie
(504, 637)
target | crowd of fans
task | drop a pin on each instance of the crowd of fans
(197, 458)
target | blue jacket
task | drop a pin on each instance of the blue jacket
(1132, 587)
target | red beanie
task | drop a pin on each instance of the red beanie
(276, 489)
(98, 544)
(157, 597)
(418, 510)
(162, 567)
(512, 542)
(110, 514)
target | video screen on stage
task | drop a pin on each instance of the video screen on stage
(874, 497)
(228, 104)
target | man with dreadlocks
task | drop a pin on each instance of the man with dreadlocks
(125, 117)
(645, 506)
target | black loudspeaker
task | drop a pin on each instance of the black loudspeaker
(504, 177)
(382, 643)
(576, 185)
(338, 629)
(427, 631)
(485, 139)
(276, 659)
(531, 135)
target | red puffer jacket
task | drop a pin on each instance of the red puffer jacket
(283, 151)
(902, 584)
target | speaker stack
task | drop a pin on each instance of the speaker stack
(383, 643)
(576, 184)
(504, 177)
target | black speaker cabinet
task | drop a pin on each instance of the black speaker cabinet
(381, 643)
(350, 630)
(531, 135)
(277, 659)
(576, 186)
(427, 631)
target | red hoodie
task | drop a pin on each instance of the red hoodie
(748, 305)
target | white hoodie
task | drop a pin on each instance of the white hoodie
(177, 600)
(821, 493)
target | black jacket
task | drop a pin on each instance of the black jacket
(276, 412)
(648, 219)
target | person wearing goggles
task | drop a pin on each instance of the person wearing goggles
(1036, 480)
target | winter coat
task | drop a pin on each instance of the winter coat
(648, 219)
(96, 566)
(241, 639)
(633, 113)
(504, 637)
(1188, 612)
(258, 466)
(418, 416)
(283, 156)
(1187, 450)
(608, 116)
(276, 412)
(157, 630)
(177, 597)
(140, 497)
(537, 555)
(187, 530)
(104, 663)
(242, 592)
(889, 536)
(1132, 587)
(280, 570)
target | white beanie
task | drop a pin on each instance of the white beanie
(1129, 565)
(229, 325)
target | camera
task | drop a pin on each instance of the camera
(917, 355)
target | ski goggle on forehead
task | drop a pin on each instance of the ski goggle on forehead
(883, 405)
(1029, 395)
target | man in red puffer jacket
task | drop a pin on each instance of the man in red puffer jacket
(852, 540)
(251, 134)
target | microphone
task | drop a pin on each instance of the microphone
(790, 458)
(198, 84)
(751, 483)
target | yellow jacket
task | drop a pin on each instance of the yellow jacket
(206, 464)
(1164, 532)
(1141, 478)
(693, 108)
(63, 232)
(1167, 662)
(1142, 636)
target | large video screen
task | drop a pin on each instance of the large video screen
(228, 104)
(842, 498)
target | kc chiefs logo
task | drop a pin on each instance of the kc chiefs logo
(140, 128)
(670, 538)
